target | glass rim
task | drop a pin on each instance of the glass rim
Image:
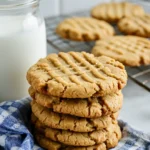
(15, 6)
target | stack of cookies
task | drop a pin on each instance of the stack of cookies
(76, 101)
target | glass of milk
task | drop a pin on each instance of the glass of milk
(22, 43)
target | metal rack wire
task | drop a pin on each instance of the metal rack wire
(140, 75)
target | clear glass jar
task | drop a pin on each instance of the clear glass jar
(22, 43)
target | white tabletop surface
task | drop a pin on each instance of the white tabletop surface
(136, 106)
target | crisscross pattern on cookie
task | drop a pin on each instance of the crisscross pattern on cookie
(84, 29)
(139, 25)
(77, 75)
(130, 50)
(114, 11)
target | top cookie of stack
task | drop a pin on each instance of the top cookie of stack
(77, 75)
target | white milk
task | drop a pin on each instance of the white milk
(22, 43)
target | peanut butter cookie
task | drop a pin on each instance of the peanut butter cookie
(139, 25)
(87, 107)
(51, 145)
(84, 29)
(112, 12)
(68, 122)
(77, 75)
(77, 138)
(130, 50)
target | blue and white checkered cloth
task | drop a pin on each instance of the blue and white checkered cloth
(15, 130)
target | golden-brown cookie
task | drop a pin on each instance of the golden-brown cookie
(77, 75)
(68, 122)
(84, 29)
(88, 107)
(51, 145)
(113, 12)
(139, 25)
(77, 138)
(130, 50)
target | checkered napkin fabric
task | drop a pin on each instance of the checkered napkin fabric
(15, 129)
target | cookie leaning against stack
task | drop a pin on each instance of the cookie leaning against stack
(113, 12)
(84, 29)
(76, 100)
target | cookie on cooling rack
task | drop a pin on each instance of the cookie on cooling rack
(139, 25)
(130, 50)
(112, 12)
(84, 29)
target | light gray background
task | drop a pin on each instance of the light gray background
(56, 7)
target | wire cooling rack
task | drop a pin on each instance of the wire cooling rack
(140, 75)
